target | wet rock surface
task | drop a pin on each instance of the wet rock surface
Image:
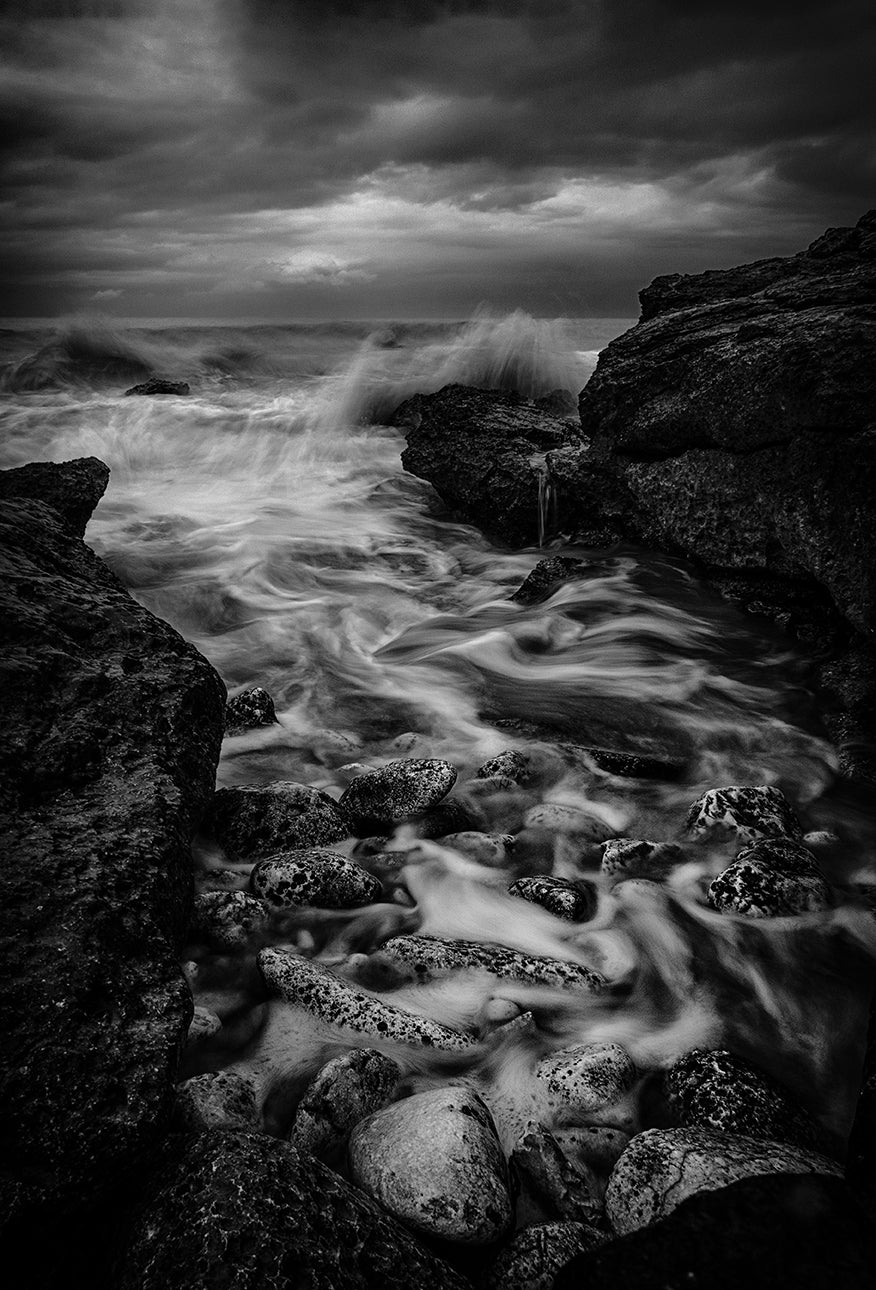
(598, 1145)
(397, 792)
(547, 576)
(434, 1161)
(249, 710)
(347, 1090)
(773, 878)
(254, 821)
(532, 1260)
(588, 1077)
(217, 1100)
(635, 858)
(560, 1187)
(490, 849)
(747, 811)
(313, 877)
(572, 900)
(509, 764)
(429, 955)
(159, 386)
(226, 919)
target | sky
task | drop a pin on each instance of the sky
(298, 159)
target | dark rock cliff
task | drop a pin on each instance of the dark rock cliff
(111, 733)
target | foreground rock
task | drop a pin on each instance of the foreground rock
(243, 1211)
(253, 821)
(313, 877)
(343, 1093)
(113, 726)
(397, 792)
(427, 956)
(434, 1161)
(772, 879)
(662, 1167)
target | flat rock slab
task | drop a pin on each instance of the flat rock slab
(306, 984)
(434, 1161)
(428, 956)
(773, 878)
(313, 877)
(532, 1260)
(397, 792)
(748, 811)
(248, 1212)
(662, 1167)
(341, 1094)
(573, 901)
(252, 821)
(588, 1077)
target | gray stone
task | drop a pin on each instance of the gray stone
(598, 1145)
(547, 576)
(588, 1077)
(312, 987)
(662, 1167)
(748, 811)
(532, 1260)
(509, 764)
(204, 1025)
(490, 785)
(219, 1100)
(226, 919)
(570, 821)
(635, 858)
(345, 1091)
(562, 1189)
(489, 849)
(427, 956)
(249, 710)
(434, 1161)
(313, 877)
(252, 821)
(574, 901)
(397, 792)
(456, 815)
(773, 878)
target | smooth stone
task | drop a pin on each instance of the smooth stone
(588, 1077)
(537, 1253)
(749, 811)
(313, 877)
(508, 764)
(774, 878)
(219, 1100)
(715, 1089)
(598, 1145)
(559, 1187)
(428, 955)
(489, 849)
(662, 1167)
(574, 901)
(249, 710)
(226, 919)
(345, 1091)
(252, 821)
(398, 791)
(558, 817)
(204, 1025)
(636, 858)
(306, 984)
(434, 1162)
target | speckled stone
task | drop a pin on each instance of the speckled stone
(313, 877)
(588, 1077)
(245, 1211)
(226, 919)
(636, 858)
(574, 901)
(714, 1089)
(490, 849)
(434, 1161)
(772, 878)
(345, 1091)
(254, 821)
(558, 817)
(561, 1188)
(218, 1100)
(427, 956)
(397, 792)
(204, 1025)
(662, 1167)
(749, 811)
(249, 710)
(598, 1145)
(308, 985)
(532, 1260)
(509, 764)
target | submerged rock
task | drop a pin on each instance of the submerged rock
(748, 811)
(249, 710)
(532, 1260)
(772, 879)
(509, 764)
(226, 919)
(312, 987)
(638, 765)
(219, 1100)
(588, 1077)
(256, 820)
(158, 386)
(574, 901)
(547, 576)
(434, 1162)
(562, 1189)
(345, 1091)
(427, 956)
(489, 849)
(662, 1167)
(634, 858)
(313, 877)
(569, 821)
(397, 792)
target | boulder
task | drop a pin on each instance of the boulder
(532, 1260)
(509, 764)
(574, 901)
(772, 879)
(662, 1167)
(634, 858)
(249, 710)
(345, 1091)
(251, 821)
(745, 811)
(428, 956)
(226, 920)
(218, 1100)
(397, 792)
(590, 1078)
(434, 1162)
(313, 877)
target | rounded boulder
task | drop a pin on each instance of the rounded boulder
(313, 877)
(397, 792)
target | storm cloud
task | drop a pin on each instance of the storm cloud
(220, 158)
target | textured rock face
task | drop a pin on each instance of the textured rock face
(112, 729)
(243, 1211)
(434, 1161)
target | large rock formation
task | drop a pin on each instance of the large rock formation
(112, 727)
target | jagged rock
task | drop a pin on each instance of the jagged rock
(532, 1260)
(314, 988)
(427, 956)
(397, 792)
(158, 386)
(112, 726)
(771, 879)
(345, 1091)
(633, 858)
(219, 1100)
(561, 1188)
(598, 1145)
(574, 901)
(226, 919)
(509, 764)
(547, 576)
(662, 1167)
(588, 1077)
(483, 848)
(313, 877)
(256, 820)
(434, 1161)
(204, 1025)
(571, 821)
(249, 710)
(714, 1089)
(748, 811)
(242, 1211)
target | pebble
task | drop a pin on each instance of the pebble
(636, 858)
(204, 1025)
(749, 811)
(397, 792)
(598, 1145)
(558, 817)
(510, 764)
(434, 1162)
(588, 1077)
(560, 1188)
(345, 1091)
(253, 821)
(574, 901)
(532, 1260)
(489, 849)
(314, 877)
(428, 955)
(773, 878)
(714, 1089)
(249, 710)
(662, 1167)
(310, 986)
(226, 919)
(218, 1100)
